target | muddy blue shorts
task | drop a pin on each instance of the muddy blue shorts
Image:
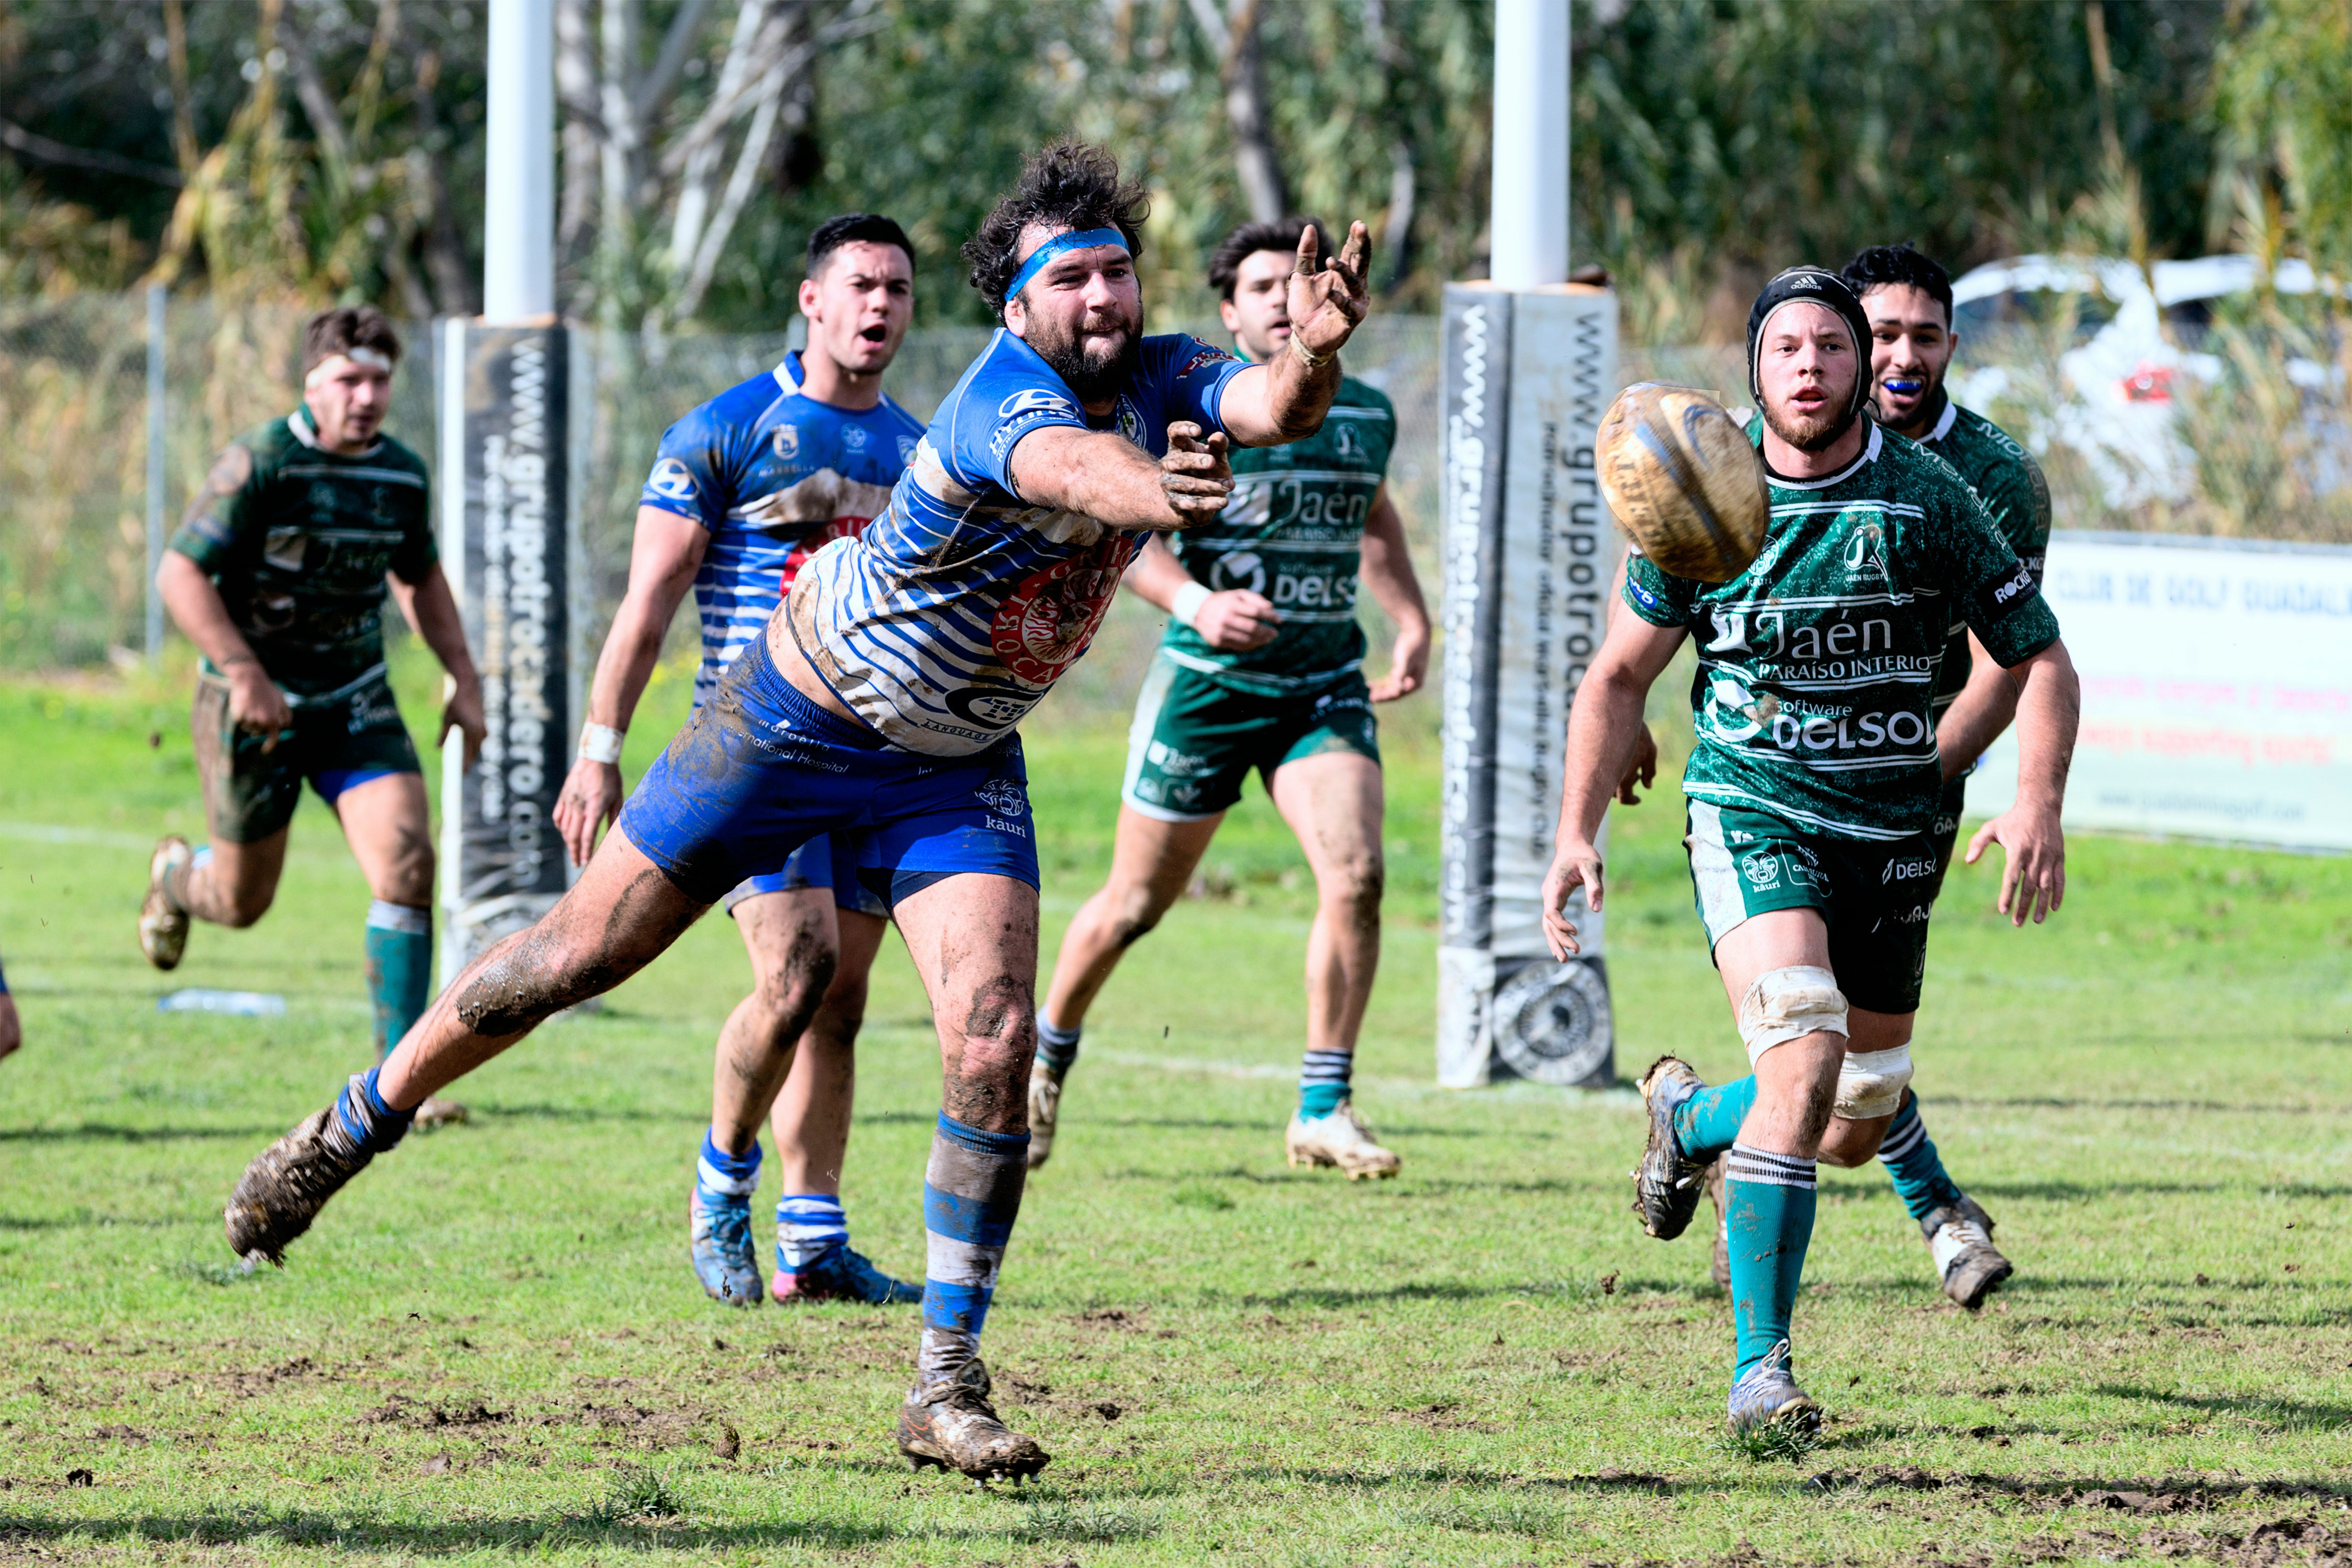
(830, 861)
(760, 770)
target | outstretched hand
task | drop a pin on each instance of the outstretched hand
(1325, 306)
(1577, 865)
(1196, 475)
(2033, 881)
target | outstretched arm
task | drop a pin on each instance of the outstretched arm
(1103, 474)
(1285, 399)
(2048, 707)
(1386, 571)
(662, 559)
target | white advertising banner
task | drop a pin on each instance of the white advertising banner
(2217, 690)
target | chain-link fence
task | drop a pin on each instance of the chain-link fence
(2257, 443)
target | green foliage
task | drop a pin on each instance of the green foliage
(2282, 90)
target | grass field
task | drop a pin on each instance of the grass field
(491, 1346)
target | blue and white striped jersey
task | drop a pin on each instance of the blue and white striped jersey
(951, 616)
(774, 475)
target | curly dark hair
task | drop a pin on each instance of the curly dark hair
(1248, 239)
(1889, 264)
(1071, 184)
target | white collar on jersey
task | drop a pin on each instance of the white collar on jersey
(1870, 451)
(307, 432)
(788, 372)
(1945, 420)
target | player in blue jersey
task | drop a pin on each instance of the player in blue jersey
(884, 697)
(744, 490)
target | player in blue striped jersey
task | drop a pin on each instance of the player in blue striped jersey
(744, 489)
(884, 698)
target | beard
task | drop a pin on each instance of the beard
(1095, 375)
(1810, 432)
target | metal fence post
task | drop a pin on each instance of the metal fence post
(154, 469)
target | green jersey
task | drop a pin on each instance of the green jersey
(2015, 496)
(1294, 532)
(1817, 664)
(298, 538)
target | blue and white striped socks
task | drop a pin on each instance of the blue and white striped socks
(722, 1174)
(808, 1225)
(971, 1196)
(1323, 1082)
(1768, 1205)
(1057, 1049)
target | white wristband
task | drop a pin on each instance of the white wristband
(601, 743)
(1188, 602)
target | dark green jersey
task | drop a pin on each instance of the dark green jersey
(1817, 664)
(298, 538)
(2016, 497)
(1294, 532)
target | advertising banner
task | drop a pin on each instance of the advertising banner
(2217, 690)
(1527, 557)
(508, 548)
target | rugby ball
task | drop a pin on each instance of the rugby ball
(1682, 480)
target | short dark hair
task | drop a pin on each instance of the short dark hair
(343, 329)
(851, 228)
(1883, 265)
(1071, 184)
(1247, 239)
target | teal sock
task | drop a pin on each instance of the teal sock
(1911, 1159)
(1323, 1082)
(399, 968)
(1767, 1200)
(1708, 1122)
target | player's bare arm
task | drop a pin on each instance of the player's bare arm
(1285, 399)
(1985, 707)
(1642, 768)
(2049, 708)
(1234, 620)
(431, 611)
(1387, 570)
(1104, 476)
(664, 556)
(254, 704)
(1602, 731)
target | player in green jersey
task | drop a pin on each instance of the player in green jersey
(1813, 787)
(279, 574)
(1262, 668)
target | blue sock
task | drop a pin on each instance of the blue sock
(371, 1124)
(1057, 1049)
(1708, 1124)
(1911, 1159)
(723, 1175)
(1768, 1201)
(399, 969)
(971, 1196)
(1323, 1082)
(808, 1225)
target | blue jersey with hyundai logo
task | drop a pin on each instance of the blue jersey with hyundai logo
(774, 475)
(947, 620)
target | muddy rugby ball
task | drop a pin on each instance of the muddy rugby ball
(1682, 480)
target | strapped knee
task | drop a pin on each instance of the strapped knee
(1870, 1083)
(1784, 1004)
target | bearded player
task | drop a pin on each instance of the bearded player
(1813, 788)
(884, 696)
(278, 574)
(745, 488)
(1260, 669)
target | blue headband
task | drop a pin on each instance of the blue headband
(1053, 249)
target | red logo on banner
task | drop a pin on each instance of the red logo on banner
(1052, 617)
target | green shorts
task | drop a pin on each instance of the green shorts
(1195, 740)
(1873, 896)
(343, 737)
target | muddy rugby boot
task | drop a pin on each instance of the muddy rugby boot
(1766, 1396)
(719, 1246)
(1341, 1139)
(162, 924)
(436, 1113)
(1045, 1111)
(842, 1274)
(289, 1181)
(1961, 1237)
(1668, 1183)
(952, 1426)
(1718, 1268)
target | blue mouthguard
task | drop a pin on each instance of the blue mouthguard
(1061, 245)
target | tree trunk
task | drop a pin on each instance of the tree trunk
(1235, 37)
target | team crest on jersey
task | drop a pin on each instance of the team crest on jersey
(1762, 869)
(1350, 444)
(1242, 569)
(787, 442)
(1033, 400)
(671, 480)
(1046, 622)
(852, 437)
(1865, 553)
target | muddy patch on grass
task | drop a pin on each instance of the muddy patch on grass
(402, 1411)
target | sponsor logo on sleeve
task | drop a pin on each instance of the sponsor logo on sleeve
(906, 448)
(1204, 358)
(1035, 401)
(2006, 593)
(671, 480)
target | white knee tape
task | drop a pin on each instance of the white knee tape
(1870, 1083)
(1784, 1004)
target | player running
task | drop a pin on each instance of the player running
(277, 573)
(1260, 667)
(745, 488)
(1813, 788)
(12, 1032)
(884, 696)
